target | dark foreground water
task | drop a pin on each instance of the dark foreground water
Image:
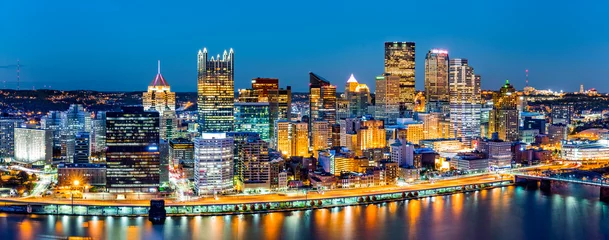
(502, 213)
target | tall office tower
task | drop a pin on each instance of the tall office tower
(387, 98)
(54, 122)
(262, 86)
(280, 107)
(132, 156)
(98, 133)
(253, 117)
(216, 91)
(82, 147)
(213, 163)
(254, 164)
(300, 139)
(181, 151)
(239, 139)
(322, 99)
(431, 124)
(168, 126)
(503, 119)
(371, 134)
(400, 61)
(342, 108)
(33, 146)
(561, 113)
(436, 80)
(75, 119)
(321, 134)
(292, 138)
(335, 135)
(7, 136)
(465, 100)
(358, 95)
(159, 96)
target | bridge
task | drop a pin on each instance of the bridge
(544, 179)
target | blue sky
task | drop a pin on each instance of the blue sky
(114, 45)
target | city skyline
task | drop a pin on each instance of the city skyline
(97, 48)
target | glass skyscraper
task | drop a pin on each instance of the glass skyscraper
(465, 100)
(216, 92)
(436, 80)
(253, 117)
(322, 99)
(400, 61)
(132, 157)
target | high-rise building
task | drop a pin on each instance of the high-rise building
(253, 117)
(54, 122)
(561, 113)
(280, 107)
(98, 133)
(342, 108)
(387, 98)
(133, 152)
(321, 134)
(181, 151)
(213, 163)
(168, 126)
(503, 119)
(431, 125)
(292, 138)
(7, 136)
(359, 134)
(75, 119)
(216, 92)
(33, 146)
(322, 99)
(436, 80)
(262, 86)
(400, 61)
(465, 100)
(159, 96)
(82, 147)
(358, 96)
(254, 164)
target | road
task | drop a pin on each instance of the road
(246, 199)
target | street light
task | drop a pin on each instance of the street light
(74, 184)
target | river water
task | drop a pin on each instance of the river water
(571, 212)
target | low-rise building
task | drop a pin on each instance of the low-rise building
(86, 173)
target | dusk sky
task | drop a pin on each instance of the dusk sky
(115, 45)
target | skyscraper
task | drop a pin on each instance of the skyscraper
(465, 100)
(159, 96)
(255, 164)
(7, 136)
(216, 91)
(322, 99)
(292, 138)
(436, 79)
(358, 95)
(98, 133)
(400, 61)
(253, 117)
(387, 98)
(33, 146)
(132, 157)
(321, 134)
(503, 119)
(82, 147)
(213, 163)
(261, 87)
(168, 126)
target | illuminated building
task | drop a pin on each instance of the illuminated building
(133, 156)
(82, 148)
(358, 95)
(54, 122)
(262, 86)
(431, 125)
(528, 135)
(442, 144)
(168, 125)
(585, 152)
(361, 134)
(75, 119)
(239, 140)
(159, 96)
(335, 135)
(98, 133)
(292, 138)
(402, 153)
(470, 161)
(7, 136)
(503, 119)
(86, 173)
(436, 80)
(414, 132)
(498, 152)
(446, 129)
(557, 132)
(213, 163)
(216, 92)
(387, 98)
(280, 107)
(400, 62)
(322, 99)
(181, 151)
(342, 108)
(321, 135)
(420, 103)
(33, 146)
(561, 114)
(465, 99)
(253, 117)
(278, 175)
(254, 164)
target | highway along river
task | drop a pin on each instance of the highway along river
(571, 212)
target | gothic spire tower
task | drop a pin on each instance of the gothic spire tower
(216, 91)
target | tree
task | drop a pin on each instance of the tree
(23, 176)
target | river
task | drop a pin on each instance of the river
(572, 212)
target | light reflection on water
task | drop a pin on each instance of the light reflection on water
(573, 212)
